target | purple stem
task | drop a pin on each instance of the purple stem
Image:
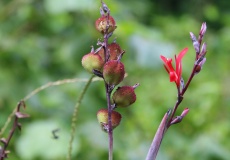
(180, 95)
(108, 94)
(110, 130)
(153, 150)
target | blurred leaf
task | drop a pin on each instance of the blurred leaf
(59, 6)
(37, 141)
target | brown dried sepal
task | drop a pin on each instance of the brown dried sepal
(21, 115)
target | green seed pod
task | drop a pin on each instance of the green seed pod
(113, 72)
(124, 96)
(101, 24)
(92, 61)
(102, 117)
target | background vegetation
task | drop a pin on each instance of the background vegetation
(44, 40)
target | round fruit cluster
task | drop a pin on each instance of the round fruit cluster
(106, 62)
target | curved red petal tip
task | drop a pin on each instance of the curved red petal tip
(182, 53)
(178, 64)
(163, 58)
(167, 63)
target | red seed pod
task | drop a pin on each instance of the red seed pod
(113, 72)
(101, 24)
(124, 96)
(102, 117)
(114, 51)
(92, 61)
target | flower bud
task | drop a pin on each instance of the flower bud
(114, 51)
(195, 42)
(184, 112)
(92, 61)
(203, 28)
(102, 117)
(124, 96)
(113, 72)
(101, 24)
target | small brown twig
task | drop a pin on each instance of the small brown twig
(18, 115)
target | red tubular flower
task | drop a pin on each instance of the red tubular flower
(174, 75)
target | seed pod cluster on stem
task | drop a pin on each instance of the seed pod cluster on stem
(106, 60)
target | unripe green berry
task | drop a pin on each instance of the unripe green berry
(92, 61)
(113, 72)
(101, 24)
(102, 117)
(124, 96)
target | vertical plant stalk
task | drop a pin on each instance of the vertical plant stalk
(152, 153)
(180, 96)
(108, 87)
(108, 95)
(74, 117)
(167, 121)
(110, 130)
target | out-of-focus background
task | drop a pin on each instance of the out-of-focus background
(44, 41)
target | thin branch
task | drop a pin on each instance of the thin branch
(39, 89)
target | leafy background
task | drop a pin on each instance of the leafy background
(43, 41)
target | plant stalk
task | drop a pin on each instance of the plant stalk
(74, 117)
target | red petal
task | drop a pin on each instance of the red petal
(166, 68)
(164, 59)
(173, 77)
(178, 64)
(181, 54)
(167, 63)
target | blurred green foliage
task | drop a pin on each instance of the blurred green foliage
(43, 41)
